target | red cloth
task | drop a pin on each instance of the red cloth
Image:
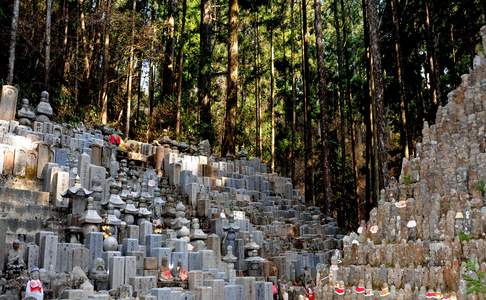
(35, 286)
(115, 139)
(274, 289)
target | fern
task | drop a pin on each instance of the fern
(476, 283)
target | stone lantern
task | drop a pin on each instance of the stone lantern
(25, 114)
(130, 211)
(197, 236)
(44, 109)
(78, 196)
(253, 261)
(180, 222)
(90, 218)
(231, 230)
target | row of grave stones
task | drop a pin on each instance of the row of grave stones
(123, 220)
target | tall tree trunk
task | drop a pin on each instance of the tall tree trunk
(106, 64)
(342, 131)
(404, 131)
(180, 73)
(308, 157)
(322, 93)
(84, 40)
(232, 89)
(369, 174)
(272, 99)
(204, 78)
(168, 66)
(66, 54)
(294, 95)
(350, 115)
(431, 62)
(257, 89)
(47, 62)
(13, 42)
(378, 113)
(130, 72)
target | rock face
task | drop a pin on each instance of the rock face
(433, 219)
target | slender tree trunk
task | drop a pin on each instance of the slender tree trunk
(232, 89)
(398, 73)
(13, 42)
(378, 112)
(257, 89)
(349, 97)
(342, 131)
(272, 99)
(84, 40)
(130, 72)
(369, 174)
(204, 80)
(309, 164)
(47, 62)
(431, 62)
(323, 99)
(294, 115)
(66, 54)
(168, 66)
(180, 60)
(106, 64)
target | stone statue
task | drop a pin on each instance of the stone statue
(99, 275)
(179, 272)
(25, 113)
(34, 288)
(164, 273)
(15, 262)
(44, 109)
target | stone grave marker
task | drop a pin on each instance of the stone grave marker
(8, 102)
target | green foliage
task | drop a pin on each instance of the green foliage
(464, 237)
(407, 179)
(475, 279)
(481, 186)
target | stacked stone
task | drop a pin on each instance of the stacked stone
(433, 220)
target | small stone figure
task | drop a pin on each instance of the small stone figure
(34, 287)
(44, 109)
(179, 272)
(26, 115)
(15, 262)
(99, 275)
(165, 274)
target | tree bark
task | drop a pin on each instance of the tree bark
(342, 131)
(168, 66)
(106, 64)
(180, 60)
(130, 72)
(47, 57)
(272, 100)
(204, 79)
(309, 164)
(13, 42)
(258, 147)
(294, 115)
(349, 97)
(232, 81)
(322, 93)
(404, 131)
(378, 112)
(431, 62)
